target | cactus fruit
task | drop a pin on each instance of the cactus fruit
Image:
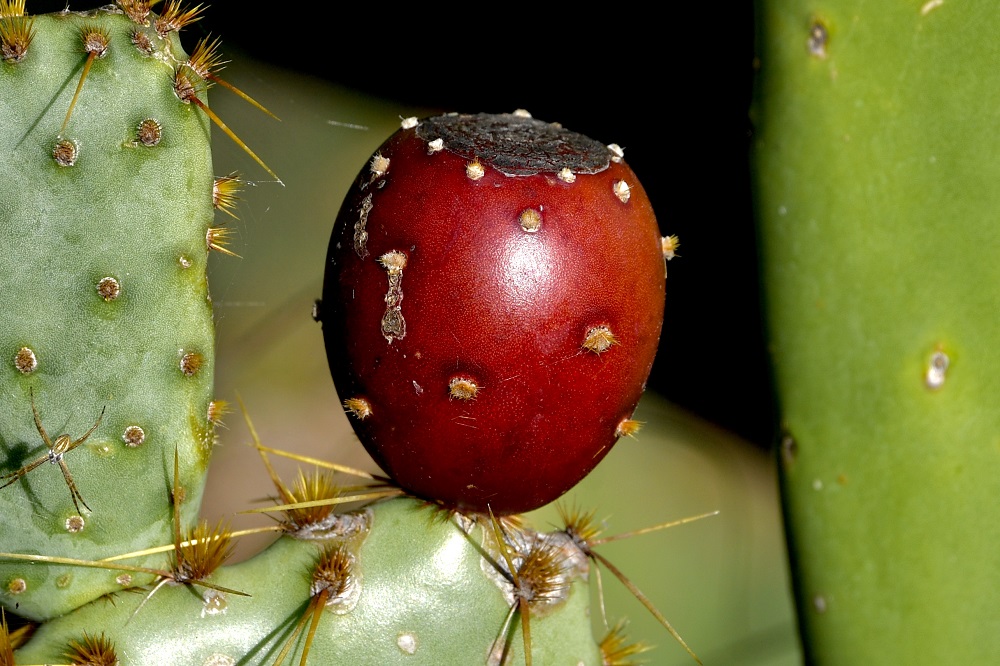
(492, 304)
(875, 154)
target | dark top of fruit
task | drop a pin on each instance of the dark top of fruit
(516, 145)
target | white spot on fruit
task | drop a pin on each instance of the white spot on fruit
(530, 219)
(474, 170)
(567, 176)
(521, 113)
(358, 407)
(622, 191)
(418, 388)
(409, 123)
(819, 603)
(617, 154)
(75, 524)
(936, 369)
(17, 586)
(407, 642)
(125, 580)
(437, 145)
(393, 323)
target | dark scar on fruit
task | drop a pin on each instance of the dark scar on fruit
(516, 145)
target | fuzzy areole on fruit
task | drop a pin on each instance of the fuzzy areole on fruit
(513, 256)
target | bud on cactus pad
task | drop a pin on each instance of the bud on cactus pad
(492, 305)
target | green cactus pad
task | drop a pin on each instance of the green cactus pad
(105, 300)
(425, 591)
(876, 158)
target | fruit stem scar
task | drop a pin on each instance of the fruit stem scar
(393, 324)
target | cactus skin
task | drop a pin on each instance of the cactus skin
(438, 593)
(875, 157)
(125, 210)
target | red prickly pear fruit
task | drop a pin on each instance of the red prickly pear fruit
(492, 305)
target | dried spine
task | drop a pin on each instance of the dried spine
(16, 33)
(628, 428)
(599, 339)
(225, 194)
(335, 586)
(174, 17)
(359, 407)
(92, 651)
(217, 239)
(95, 45)
(136, 10)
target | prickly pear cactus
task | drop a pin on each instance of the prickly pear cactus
(106, 221)
(107, 324)
(876, 148)
(445, 602)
